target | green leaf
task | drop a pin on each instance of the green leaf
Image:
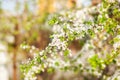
(66, 52)
(57, 63)
(52, 21)
(91, 32)
(50, 70)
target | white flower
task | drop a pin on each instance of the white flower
(117, 44)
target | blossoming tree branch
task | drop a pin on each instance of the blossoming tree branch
(99, 29)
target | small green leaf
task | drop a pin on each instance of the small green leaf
(66, 52)
(52, 21)
(50, 70)
(57, 63)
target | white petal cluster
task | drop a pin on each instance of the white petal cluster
(117, 44)
(56, 42)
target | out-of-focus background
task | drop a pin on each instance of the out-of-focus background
(25, 21)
